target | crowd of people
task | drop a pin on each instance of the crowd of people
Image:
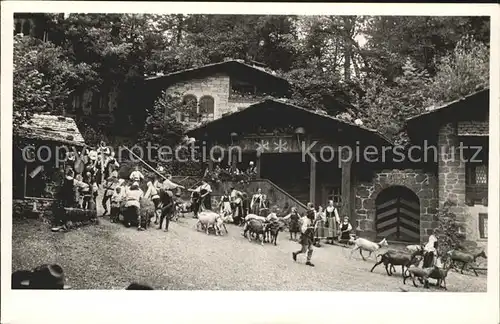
(98, 169)
(221, 173)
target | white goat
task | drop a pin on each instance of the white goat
(362, 244)
(414, 248)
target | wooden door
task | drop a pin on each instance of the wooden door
(398, 215)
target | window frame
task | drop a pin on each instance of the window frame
(190, 115)
(483, 232)
(205, 113)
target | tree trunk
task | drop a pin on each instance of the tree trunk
(180, 25)
(348, 28)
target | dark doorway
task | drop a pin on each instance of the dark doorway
(398, 215)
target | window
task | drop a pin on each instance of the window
(242, 88)
(334, 194)
(483, 226)
(206, 105)
(190, 103)
(18, 27)
(477, 174)
(27, 28)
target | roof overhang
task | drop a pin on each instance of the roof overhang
(266, 107)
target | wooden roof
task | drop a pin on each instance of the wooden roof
(474, 106)
(279, 111)
(52, 128)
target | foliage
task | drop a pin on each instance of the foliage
(43, 78)
(383, 69)
(461, 72)
(163, 129)
(448, 231)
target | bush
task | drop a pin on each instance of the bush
(448, 230)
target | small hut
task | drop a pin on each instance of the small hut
(40, 148)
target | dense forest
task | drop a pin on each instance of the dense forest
(385, 68)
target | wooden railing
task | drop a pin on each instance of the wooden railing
(276, 195)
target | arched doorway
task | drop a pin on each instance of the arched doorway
(398, 215)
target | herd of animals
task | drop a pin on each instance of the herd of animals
(411, 260)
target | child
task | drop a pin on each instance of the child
(87, 196)
(95, 192)
(79, 195)
(345, 230)
(116, 200)
(294, 226)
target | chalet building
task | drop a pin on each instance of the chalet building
(383, 197)
(217, 89)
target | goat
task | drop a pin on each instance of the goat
(465, 258)
(415, 248)
(421, 273)
(440, 275)
(363, 244)
(393, 258)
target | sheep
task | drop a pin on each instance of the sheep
(393, 258)
(422, 273)
(465, 258)
(363, 244)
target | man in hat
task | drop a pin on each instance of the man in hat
(307, 237)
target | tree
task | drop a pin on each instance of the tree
(165, 133)
(43, 78)
(461, 72)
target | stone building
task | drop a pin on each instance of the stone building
(460, 131)
(395, 195)
(217, 89)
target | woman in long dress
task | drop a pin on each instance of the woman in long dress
(332, 222)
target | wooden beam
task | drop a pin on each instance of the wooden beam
(257, 165)
(347, 197)
(25, 176)
(312, 180)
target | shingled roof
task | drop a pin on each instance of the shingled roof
(262, 106)
(238, 67)
(51, 128)
(471, 110)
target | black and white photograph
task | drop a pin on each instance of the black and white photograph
(250, 152)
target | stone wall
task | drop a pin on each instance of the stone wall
(24, 207)
(422, 183)
(216, 86)
(472, 225)
(451, 171)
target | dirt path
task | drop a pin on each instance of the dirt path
(110, 256)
